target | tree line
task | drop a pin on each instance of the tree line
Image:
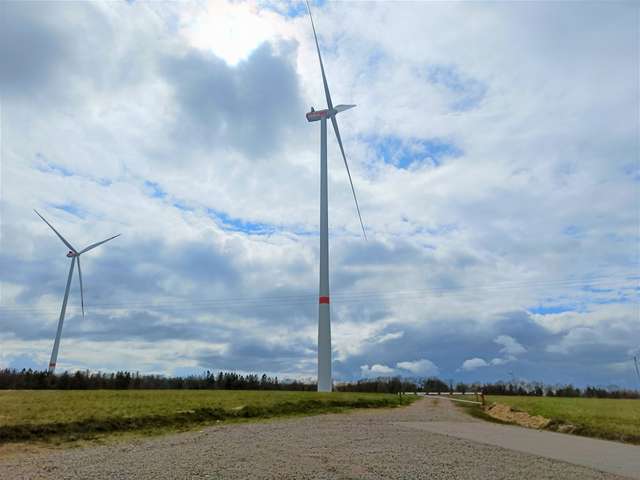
(28, 379)
(538, 389)
(79, 380)
(122, 380)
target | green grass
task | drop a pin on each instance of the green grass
(595, 417)
(75, 414)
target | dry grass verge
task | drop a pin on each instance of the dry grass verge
(510, 415)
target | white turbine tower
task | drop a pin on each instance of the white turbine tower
(73, 254)
(324, 314)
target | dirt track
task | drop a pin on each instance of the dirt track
(370, 444)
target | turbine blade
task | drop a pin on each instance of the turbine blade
(56, 232)
(81, 287)
(94, 245)
(344, 157)
(324, 77)
(342, 108)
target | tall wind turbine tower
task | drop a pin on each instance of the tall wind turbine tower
(74, 255)
(324, 313)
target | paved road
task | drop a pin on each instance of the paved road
(602, 455)
(430, 439)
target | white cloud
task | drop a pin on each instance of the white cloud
(581, 336)
(230, 30)
(609, 326)
(421, 367)
(473, 364)
(352, 338)
(510, 345)
(499, 361)
(510, 349)
(389, 336)
(376, 369)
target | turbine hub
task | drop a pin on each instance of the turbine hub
(71, 254)
(315, 115)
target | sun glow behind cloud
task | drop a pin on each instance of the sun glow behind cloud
(229, 30)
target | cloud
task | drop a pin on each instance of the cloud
(42, 45)
(466, 92)
(252, 106)
(376, 369)
(389, 336)
(473, 363)
(510, 349)
(421, 367)
(499, 361)
(510, 345)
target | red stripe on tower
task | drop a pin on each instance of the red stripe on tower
(324, 300)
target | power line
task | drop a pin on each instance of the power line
(344, 297)
(338, 298)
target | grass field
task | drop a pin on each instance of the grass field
(76, 414)
(595, 417)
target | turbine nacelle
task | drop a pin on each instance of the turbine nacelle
(315, 115)
(71, 254)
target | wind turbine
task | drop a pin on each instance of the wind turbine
(73, 254)
(324, 313)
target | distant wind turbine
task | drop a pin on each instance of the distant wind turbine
(73, 254)
(324, 314)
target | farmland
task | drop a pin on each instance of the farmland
(74, 414)
(595, 417)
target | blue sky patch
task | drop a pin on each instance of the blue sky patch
(47, 166)
(467, 91)
(550, 309)
(632, 170)
(589, 288)
(69, 208)
(620, 298)
(183, 206)
(44, 165)
(375, 59)
(154, 189)
(290, 8)
(572, 231)
(404, 154)
(238, 225)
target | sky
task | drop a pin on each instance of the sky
(494, 150)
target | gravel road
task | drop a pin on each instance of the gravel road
(365, 444)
